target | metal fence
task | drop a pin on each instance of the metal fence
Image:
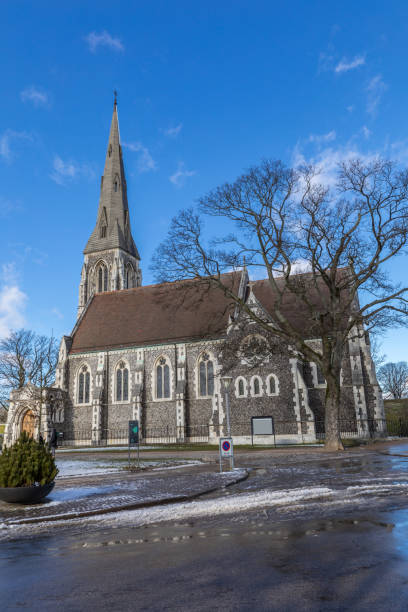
(286, 433)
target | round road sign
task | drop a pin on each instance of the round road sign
(226, 446)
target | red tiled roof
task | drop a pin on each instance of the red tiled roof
(155, 314)
(186, 310)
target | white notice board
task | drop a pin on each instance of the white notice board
(262, 426)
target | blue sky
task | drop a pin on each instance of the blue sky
(206, 89)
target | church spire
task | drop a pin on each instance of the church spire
(112, 228)
(111, 259)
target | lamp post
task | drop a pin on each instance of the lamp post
(226, 383)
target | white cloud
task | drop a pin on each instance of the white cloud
(63, 171)
(327, 160)
(57, 313)
(366, 132)
(350, 108)
(375, 90)
(8, 207)
(346, 65)
(325, 62)
(180, 176)
(104, 39)
(34, 95)
(173, 132)
(145, 162)
(7, 138)
(12, 301)
(66, 171)
(322, 138)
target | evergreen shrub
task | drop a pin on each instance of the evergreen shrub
(26, 463)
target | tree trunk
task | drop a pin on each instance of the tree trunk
(332, 413)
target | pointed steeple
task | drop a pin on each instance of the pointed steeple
(112, 228)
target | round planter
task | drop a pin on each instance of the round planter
(25, 495)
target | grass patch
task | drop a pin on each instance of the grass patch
(2, 429)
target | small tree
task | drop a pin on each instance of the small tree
(26, 463)
(341, 236)
(393, 378)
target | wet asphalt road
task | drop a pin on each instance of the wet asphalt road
(348, 551)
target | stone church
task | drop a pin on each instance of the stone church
(152, 353)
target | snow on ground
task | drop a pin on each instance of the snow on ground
(244, 502)
(68, 468)
(77, 467)
(100, 449)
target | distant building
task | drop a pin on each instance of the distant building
(152, 353)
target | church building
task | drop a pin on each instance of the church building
(153, 353)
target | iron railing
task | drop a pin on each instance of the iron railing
(286, 433)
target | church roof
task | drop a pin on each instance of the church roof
(113, 211)
(155, 314)
(185, 310)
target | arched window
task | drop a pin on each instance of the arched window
(206, 375)
(122, 382)
(103, 231)
(129, 277)
(256, 386)
(116, 185)
(241, 389)
(272, 385)
(102, 278)
(84, 383)
(162, 379)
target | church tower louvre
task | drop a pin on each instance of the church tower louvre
(111, 259)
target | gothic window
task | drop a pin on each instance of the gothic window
(103, 231)
(256, 386)
(206, 375)
(240, 387)
(84, 382)
(110, 150)
(122, 382)
(272, 385)
(162, 379)
(116, 185)
(129, 277)
(320, 378)
(102, 278)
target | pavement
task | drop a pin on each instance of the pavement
(93, 493)
(307, 530)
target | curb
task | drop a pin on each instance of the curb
(136, 506)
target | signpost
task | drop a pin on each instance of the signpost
(134, 433)
(226, 451)
(262, 426)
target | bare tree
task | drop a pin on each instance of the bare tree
(377, 355)
(26, 357)
(343, 237)
(393, 378)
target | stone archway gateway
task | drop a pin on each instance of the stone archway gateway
(28, 423)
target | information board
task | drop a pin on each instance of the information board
(262, 426)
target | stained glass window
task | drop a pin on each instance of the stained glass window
(122, 383)
(162, 379)
(241, 390)
(84, 383)
(257, 389)
(206, 376)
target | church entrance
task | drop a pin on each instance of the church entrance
(28, 423)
